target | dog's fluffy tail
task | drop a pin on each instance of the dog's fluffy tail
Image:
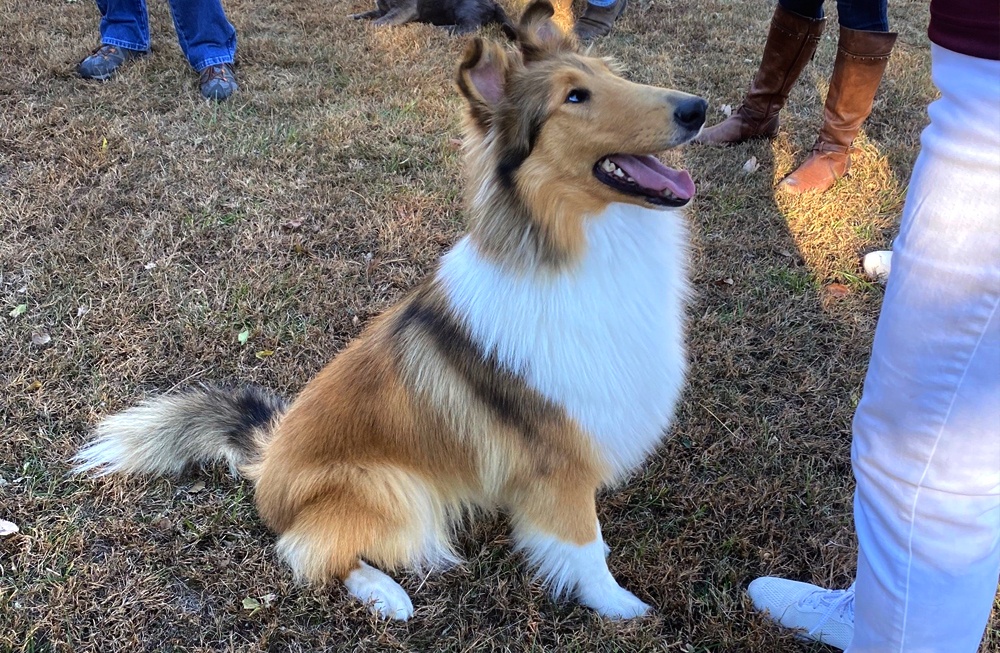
(163, 435)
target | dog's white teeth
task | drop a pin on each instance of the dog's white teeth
(608, 166)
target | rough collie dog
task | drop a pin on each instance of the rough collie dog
(540, 362)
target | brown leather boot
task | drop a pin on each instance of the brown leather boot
(791, 43)
(857, 72)
(597, 21)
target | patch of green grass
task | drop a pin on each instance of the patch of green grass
(866, 231)
(799, 282)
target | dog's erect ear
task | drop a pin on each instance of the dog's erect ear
(538, 35)
(481, 77)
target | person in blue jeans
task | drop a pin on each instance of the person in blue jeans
(863, 48)
(598, 18)
(203, 31)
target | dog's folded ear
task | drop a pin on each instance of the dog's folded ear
(481, 78)
(539, 36)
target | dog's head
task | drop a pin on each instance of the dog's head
(563, 128)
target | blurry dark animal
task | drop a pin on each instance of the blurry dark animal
(459, 16)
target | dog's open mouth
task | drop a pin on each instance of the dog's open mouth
(644, 176)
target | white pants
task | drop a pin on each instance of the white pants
(926, 448)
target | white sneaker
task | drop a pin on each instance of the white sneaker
(878, 265)
(825, 616)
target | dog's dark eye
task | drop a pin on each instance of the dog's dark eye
(578, 95)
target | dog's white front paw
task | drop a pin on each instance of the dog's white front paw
(380, 592)
(614, 602)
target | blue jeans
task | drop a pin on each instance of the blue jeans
(866, 15)
(205, 35)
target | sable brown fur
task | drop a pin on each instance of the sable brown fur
(415, 396)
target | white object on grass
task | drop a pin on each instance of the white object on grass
(877, 265)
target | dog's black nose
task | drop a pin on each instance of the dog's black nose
(690, 114)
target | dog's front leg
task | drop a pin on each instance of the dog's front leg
(381, 9)
(368, 15)
(560, 535)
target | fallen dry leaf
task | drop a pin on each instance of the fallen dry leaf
(7, 528)
(726, 110)
(40, 338)
(751, 165)
(837, 290)
(197, 487)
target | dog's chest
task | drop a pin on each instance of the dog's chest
(604, 341)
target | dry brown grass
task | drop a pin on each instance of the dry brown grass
(342, 134)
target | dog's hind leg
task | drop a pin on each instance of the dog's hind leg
(328, 539)
(377, 590)
(558, 531)
(385, 515)
(399, 15)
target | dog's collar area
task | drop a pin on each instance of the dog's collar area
(644, 176)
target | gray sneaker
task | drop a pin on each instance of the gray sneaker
(105, 60)
(218, 82)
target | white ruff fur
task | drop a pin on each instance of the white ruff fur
(603, 339)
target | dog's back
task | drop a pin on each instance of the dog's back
(464, 16)
(459, 16)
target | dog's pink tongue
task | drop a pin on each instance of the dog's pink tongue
(649, 173)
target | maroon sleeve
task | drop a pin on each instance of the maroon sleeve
(969, 27)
